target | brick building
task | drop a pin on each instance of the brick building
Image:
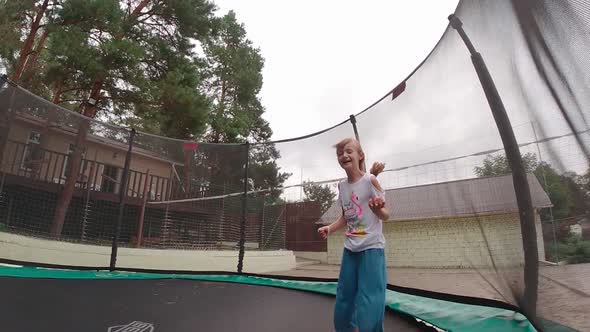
(447, 225)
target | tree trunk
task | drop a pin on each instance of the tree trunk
(28, 45)
(7, 115)
(75, 160)
(39, 154)
(75, 163)
(32, 61)
(219, 113)
(138, 9)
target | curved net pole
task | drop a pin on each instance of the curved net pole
(519, 176)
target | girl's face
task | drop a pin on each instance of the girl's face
(349, 157)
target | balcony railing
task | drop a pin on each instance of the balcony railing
(32, 162)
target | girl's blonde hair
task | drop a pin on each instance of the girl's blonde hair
(375, 169)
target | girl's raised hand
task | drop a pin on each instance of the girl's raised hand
(376, 203)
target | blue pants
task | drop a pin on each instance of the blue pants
(360, 300)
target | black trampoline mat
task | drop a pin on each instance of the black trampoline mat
(166, 305)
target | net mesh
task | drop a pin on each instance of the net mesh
(455, 226)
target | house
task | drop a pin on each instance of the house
(457, 224)
(103, 159)
(32, 176)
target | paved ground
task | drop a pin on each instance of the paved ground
(564, 291)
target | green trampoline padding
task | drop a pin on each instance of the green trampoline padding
(446, 315)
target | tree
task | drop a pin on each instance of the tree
(134, 63)
(264, 171)
(559, 192)
(497, 165)
(562, 189)
(29, 15)
(233, 82)
(15, 16)
(318, 193)
(138, 47)
(234, 79)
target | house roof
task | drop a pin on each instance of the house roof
(477, 196)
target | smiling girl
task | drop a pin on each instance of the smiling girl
(360, 299)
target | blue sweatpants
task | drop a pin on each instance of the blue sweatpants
(360, 300)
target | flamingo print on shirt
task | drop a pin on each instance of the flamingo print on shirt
(353, 213)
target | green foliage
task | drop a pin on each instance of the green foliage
(143, 56)
(573, 251)
(12, 22)
(234, 79)
(318, 193)
(559, 193)
(498, 165)
(565, 190)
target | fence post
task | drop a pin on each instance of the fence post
(519, 176)
(122, 195)
(244, 211)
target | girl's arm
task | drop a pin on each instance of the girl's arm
(326, 230)
(333, 227)
(377, 204)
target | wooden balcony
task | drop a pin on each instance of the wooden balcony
(32, 164)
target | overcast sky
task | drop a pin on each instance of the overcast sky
(325, 60)
(328, 59)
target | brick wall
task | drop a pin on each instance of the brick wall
(449, 242)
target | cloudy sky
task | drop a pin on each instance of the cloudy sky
(328, 59)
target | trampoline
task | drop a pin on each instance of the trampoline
(78, 298)
(484, 241)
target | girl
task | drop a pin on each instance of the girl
(360, 299)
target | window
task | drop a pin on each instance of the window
(110, 177)
(29, 151)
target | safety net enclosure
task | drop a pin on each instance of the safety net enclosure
(487, 177)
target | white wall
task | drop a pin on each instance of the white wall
(23, 248)
(449, 243)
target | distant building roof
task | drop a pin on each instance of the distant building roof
(477, 196)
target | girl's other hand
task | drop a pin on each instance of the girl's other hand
(324, 231)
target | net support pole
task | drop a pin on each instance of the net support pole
(242, 242)
(3, 80)
(354, 128)
(356, 134)
(122, 194)
(144, 199)
(519, 176)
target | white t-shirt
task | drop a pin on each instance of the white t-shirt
(364, 230)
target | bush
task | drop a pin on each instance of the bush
(573, 251)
